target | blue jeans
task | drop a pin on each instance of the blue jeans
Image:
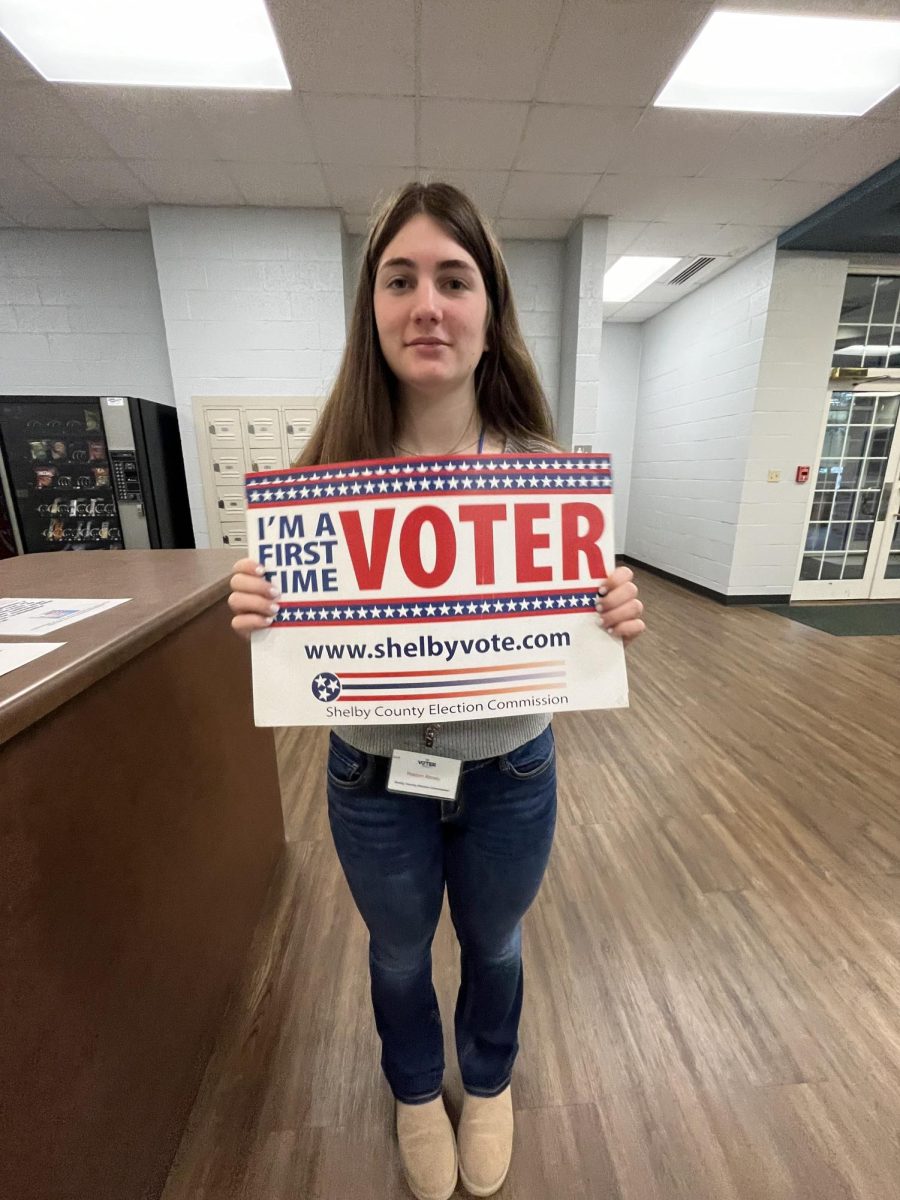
(490, 848)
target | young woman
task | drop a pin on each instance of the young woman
(435, 364)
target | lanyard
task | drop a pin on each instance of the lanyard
(480, 441)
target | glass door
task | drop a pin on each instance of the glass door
(886, 577)
(852, 547)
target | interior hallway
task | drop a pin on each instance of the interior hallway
(712, 968)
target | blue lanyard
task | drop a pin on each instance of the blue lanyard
(481, 440)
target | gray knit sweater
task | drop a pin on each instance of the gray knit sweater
(456, 739)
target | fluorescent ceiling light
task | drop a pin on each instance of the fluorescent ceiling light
(777, 62)
(155, 43)
(632, 274)
(870, 349)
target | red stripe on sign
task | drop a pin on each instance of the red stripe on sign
(553, 687)
(550, 662)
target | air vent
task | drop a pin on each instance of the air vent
(699, 264)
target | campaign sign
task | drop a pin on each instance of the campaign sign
(438, 589)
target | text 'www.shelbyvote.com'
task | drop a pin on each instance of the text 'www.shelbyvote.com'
(431, 647)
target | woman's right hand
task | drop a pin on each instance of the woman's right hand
(253, 600)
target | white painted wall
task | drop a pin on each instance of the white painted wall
(253, 302)
(699, 374)
(536, 274)
(579, 421)
(786, 428)
(620, 364)
(80, 315)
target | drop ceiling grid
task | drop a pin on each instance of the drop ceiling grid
(541, 108)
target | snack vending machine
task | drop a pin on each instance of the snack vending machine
(92, 473)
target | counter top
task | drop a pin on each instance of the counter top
(166, 588)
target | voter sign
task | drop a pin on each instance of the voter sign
(439, 589)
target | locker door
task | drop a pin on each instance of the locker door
(230, 502)
(299, 423)
(234, 533)
(228, 466)
(267, 460)
(263, 428)
(223, 425)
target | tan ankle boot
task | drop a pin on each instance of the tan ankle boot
(427, 1149)
(485, 1142)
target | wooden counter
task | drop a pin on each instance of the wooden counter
(140, 823)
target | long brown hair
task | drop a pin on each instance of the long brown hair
(358, 419)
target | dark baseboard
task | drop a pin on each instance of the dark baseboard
(719, 597)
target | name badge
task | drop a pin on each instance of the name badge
(424, 774)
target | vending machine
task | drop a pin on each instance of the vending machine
(91, 473)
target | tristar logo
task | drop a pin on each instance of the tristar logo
(426, 762)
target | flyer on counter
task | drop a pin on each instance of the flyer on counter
(19, 654)
(23, 617)
(435, 589)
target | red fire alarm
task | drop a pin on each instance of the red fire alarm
(803, 474)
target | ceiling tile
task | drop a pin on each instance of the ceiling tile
(92, 181)
(7, 222)
(52, 216)
(145, 123)
(788, 201)
(19, 184)
(511, 228)
(631, 197)
(562, 137)
(356, 189)
(446, 133)
(289, 185)
(675, 141)
(617, 53)
(621, 234)
(37, 120)
(887, 110)
(254, 126)
(356, 223)
(861, 150)
(355, 130)
(530, 194)
(484, 188)
(492, 51)
(13, 66)
(734, 241)
(122, 218)
(770, 145)
(719, 201)
(180, 182)
(363, 46)
(679, 238)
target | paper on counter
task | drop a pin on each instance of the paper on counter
(19, 654)
(22, 617)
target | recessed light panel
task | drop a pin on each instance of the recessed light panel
(632, 274)
(155, 43)
(780, 63)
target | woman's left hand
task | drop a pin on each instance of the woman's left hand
(619, 608)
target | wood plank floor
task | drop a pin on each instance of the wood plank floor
(712, 967)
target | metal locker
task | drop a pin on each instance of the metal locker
(234, 533)
(230, 500)
(228, 466)
(263, 428)
(267, 460)
(299, 423)
(223, 426)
